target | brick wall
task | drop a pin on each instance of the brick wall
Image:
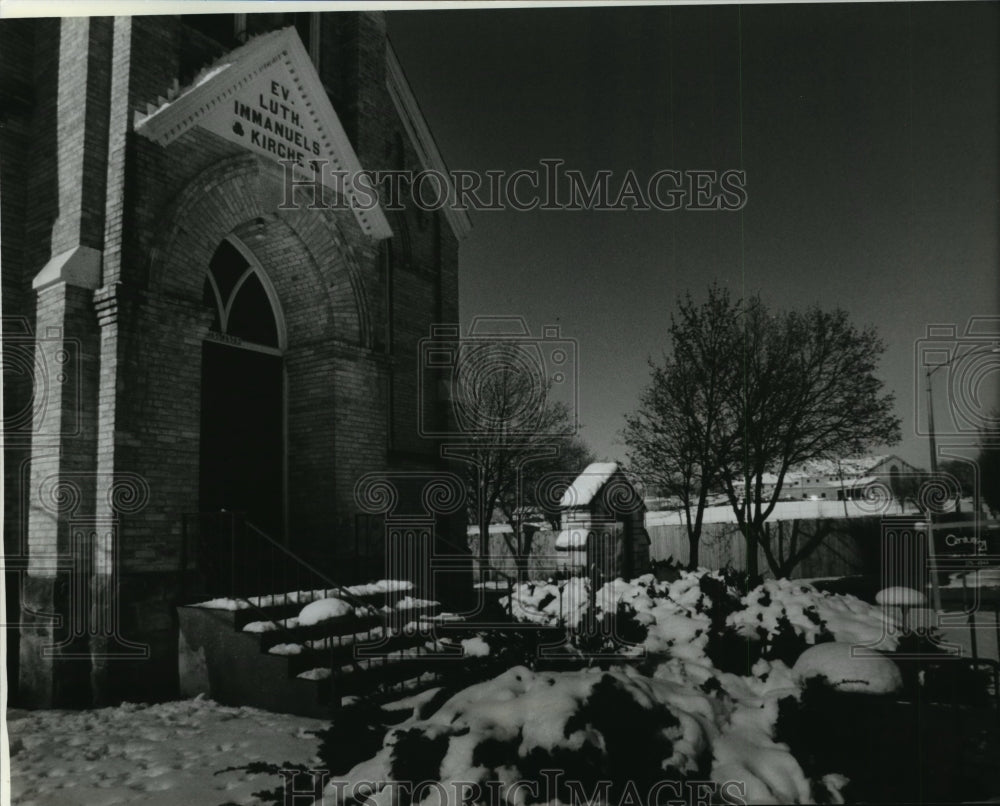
(70, 90)
(17, 93)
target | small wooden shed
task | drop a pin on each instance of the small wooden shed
(603, 524)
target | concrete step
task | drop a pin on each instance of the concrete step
(332, 654)
(260, 655)
(285, 631)
(342, 647)
(415, 666)
(226, 664)
(269, 635)
(280, 606)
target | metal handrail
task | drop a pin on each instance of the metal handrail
(315, 577)
(340, 591)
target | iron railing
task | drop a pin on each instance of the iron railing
(224, 555)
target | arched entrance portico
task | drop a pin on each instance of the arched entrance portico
(242, 454)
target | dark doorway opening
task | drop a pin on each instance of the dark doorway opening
(241, 435)
(242, 394)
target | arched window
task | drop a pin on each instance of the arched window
(245, 306)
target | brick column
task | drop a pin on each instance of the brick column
(119, 494)
(60, 487)
(147, 471)
(54, 655)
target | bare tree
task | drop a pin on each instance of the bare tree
(680, 435)
(906, 488)
(529, 505)
(808, 391)
(517, 434)
(746, 393)
(792, 541)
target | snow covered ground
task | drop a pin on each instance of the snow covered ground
(689, 714)
(170, 753)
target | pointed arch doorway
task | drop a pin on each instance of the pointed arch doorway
(242, 460)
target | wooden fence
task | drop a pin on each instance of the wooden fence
(851, 547)
(845, 550)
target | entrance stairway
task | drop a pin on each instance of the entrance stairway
(391, 645)
(377, 640)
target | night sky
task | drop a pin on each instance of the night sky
(869, 138)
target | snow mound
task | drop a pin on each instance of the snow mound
(286, 649)
(269, 626)
(867, 672)
(380, 586)
(475, 647)
(323, 610)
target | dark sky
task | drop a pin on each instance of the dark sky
(869, 138)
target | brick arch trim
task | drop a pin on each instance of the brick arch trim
(227, 195)
(326, 241)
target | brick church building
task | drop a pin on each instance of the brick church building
(181, 335)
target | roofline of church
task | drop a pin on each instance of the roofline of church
(218, 82)
(420, 135)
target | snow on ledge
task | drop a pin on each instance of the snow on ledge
(305, 597)
(315, 674)
(286, 649)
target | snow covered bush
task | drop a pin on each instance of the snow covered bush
(787, 616)
(713, 694)
(703, 614)
(616, 728)
(592, 726)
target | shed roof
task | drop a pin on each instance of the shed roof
(588, 484)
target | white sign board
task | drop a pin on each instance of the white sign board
(269, 116)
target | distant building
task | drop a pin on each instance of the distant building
(840, 479)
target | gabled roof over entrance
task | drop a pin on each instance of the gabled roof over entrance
(266, 97)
